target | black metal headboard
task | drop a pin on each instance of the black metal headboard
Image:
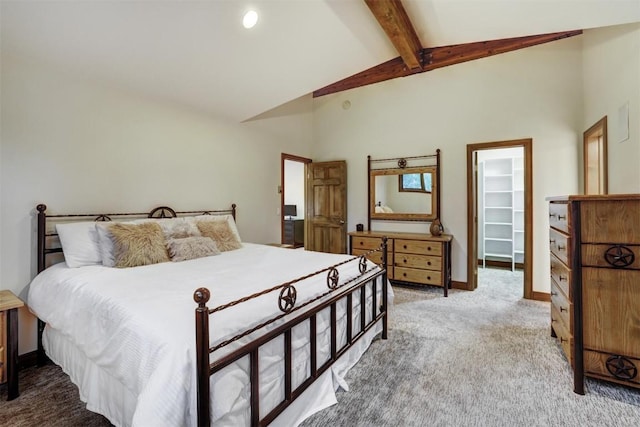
(47, 234)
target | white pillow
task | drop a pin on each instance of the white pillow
(228, 218)
(105, 243)
(79, 242)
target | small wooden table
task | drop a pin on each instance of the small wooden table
(9, 305)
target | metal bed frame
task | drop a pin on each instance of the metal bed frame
(292, 314)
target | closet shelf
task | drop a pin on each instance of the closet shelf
(502, 191)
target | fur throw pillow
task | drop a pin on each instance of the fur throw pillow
(178, 228)
(221, 233)
(187, 248)
(138, 244)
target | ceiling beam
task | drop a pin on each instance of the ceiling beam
(394, 20)
(439, 57)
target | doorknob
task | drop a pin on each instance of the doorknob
(341, 222)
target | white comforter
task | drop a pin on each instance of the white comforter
(137, 325)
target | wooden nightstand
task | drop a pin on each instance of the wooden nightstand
(9, 305)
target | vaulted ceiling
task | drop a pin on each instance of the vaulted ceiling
(197, 54)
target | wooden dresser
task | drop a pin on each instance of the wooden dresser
(414, 258)
(595, 285)
(294, 232)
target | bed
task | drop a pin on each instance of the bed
(252, 335)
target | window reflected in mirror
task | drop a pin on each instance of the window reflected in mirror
(415, 182)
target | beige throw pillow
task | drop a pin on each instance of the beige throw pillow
(221, 233)
(138, 244)
(178, 228)
(191, 248)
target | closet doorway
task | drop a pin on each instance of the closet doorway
(499, 224)
(292, 201)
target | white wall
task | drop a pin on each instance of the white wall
(612, 79)
(532, 93)
(80, 145)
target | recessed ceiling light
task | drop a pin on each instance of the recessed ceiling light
(250, 19)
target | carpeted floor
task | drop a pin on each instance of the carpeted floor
(47, 398)
(482, 358)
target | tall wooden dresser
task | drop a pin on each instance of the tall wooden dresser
(415, 258)
(595, 285)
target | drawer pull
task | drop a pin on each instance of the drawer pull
(562, 278)
(562, 217)
(404, 246)
(361, 243)
(551, 241)
(562, 309)
(553, 293)
(428, 262)
(553, 320)
(428, 277)
(552, 215)
(621, 367)
(429, 248)
(563, 339)
(404, 260)
(561, 248)
(619, 256)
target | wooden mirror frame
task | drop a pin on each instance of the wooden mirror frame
(403, 165)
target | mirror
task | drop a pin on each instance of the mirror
(409, 194)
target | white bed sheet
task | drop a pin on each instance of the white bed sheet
(128, 325)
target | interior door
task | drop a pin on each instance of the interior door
(472, 205)
(326, 207)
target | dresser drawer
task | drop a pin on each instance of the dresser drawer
(611, 310)
(427, 277)
(369, 243)
(561, 274)
(564, 337)
(615, 221)
(616, 256)
(559, 245)
(422, 247)
(418, 261)
(558, 216)
(612, 367)
(375, 257)
(562, 305)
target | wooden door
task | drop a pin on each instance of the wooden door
(326, 207)
(472, 271)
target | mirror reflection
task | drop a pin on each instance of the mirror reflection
(403, 194)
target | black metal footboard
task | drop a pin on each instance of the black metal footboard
(352, 288)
